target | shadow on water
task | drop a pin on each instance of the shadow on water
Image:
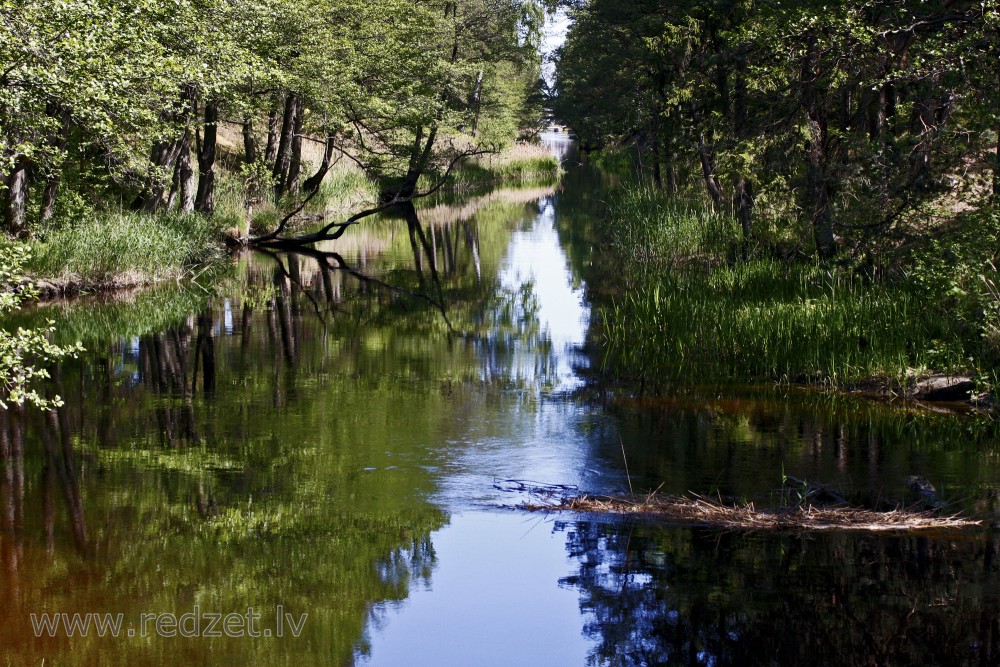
(692, 596)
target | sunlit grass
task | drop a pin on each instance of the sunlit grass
(520, 163)
(652, 231)
(121, 249)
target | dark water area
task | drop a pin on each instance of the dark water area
(329, 434)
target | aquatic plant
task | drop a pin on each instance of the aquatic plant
(767, 321)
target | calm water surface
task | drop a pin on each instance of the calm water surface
(335, 433)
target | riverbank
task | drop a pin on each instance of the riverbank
(93, 250)
(698, 306)
(520, 163)
(123, 250)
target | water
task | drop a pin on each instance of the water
(335, 433)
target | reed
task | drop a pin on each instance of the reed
(701, 511)
(696, 311)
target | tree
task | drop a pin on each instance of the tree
(24, 353)
(89, 68)
(847, 117)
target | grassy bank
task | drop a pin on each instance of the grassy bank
(123, 250)
(520, 163)
(703, 309)
(87, 247)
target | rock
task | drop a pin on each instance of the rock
(922, 486)
(944, 388)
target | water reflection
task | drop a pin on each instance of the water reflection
(282, 441)
(683, 596)
(740, 446)
(494, 600)
(322, 430)
(536, 264)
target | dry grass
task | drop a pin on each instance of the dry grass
(702, 511)
(519, 152)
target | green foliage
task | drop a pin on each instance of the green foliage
(24, 352)
(653, 231)
(693, 315)
(128, 95)
(835, 122)
(106, 65)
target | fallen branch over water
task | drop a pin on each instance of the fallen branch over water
(704, 511)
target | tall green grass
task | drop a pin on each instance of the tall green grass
(517, 164)
(654, 232)
(119, 249)
(695, 314)
(766, 321)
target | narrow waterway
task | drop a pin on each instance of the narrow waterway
(343, 435)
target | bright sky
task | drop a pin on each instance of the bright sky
(556, 25)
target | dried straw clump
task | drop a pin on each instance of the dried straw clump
(703, 511)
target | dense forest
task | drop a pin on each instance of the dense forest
(120, 104)
(849, 116)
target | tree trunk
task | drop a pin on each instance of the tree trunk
(313, 182)
(845, 108)
(249, 143)
(205, 201)
(860, 122)
(476, 102)
(283, 155)
(271, 151)
(420, 156)
(185, 176)
(884, 113)
(669, 170)
(744, 205)
(923, 125)
(708, 170)
(48, 206)
(175, 183)
(162, 159)
(818, 191)
(295, 162)
(744, 185)
(15, 211)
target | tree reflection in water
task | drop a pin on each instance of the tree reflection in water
(271, 441)
(697, 596)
